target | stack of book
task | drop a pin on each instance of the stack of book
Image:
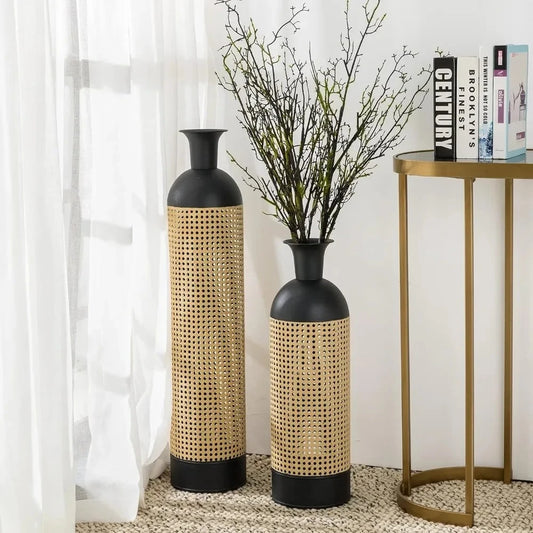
(480, 104)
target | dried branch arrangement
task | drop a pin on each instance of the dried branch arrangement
(297, 119)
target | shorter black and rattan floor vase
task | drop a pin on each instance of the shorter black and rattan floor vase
(310, 387)
(205, 229)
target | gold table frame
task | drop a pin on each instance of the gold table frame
(422, 163)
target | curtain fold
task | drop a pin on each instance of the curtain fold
(118, 256)
(36, 485)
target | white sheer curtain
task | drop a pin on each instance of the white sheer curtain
(89, 114)
(36, 476)
(115, 190)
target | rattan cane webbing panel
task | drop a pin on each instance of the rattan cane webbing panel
(206, 281)
(310, 397)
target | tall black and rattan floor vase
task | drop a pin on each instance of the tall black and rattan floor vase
(205, 228)
(310, 387)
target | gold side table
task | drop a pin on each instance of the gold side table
(422, 163)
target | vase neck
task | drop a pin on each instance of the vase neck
(203, 144)
(308, 258)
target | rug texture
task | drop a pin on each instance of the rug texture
(499, 508)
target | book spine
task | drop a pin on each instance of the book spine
(444, 74)
(517, 63)
(466, 111)
(500, 105)
(486, 75)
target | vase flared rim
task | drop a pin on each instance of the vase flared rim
(203, 130)
(309, 242)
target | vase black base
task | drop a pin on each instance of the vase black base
(208, 476)
(311, 491)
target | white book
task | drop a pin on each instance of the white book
(467, 107)
(486, 74)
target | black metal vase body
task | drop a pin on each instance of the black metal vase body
(205, 227)
(310, 386)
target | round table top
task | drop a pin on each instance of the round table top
(423, 163)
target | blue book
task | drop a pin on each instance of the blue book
(510, 100)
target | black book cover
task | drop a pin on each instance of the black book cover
(444, 101)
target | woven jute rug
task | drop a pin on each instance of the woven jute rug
(498, 507)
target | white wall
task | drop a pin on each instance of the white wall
(363, 261)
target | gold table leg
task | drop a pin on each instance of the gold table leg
(508, 370)
(404, 333)
(469, 348)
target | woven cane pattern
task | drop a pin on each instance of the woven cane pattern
(206, 274)
(309, 395)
